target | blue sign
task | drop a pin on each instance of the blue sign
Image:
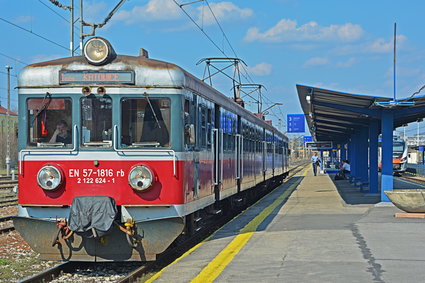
(296, 123)
(421, 148)
(308, 139)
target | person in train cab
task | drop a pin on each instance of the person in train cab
(345, 168)
(315, 159)
(61, 133)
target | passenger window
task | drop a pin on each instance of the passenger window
(96, 121)
(49, 122)
(145, 122)
(204, 136)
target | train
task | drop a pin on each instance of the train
(400, 153)
(120, 155)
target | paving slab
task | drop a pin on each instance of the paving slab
(327, 231)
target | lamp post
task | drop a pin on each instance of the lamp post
(8, 122)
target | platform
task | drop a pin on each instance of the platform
(314, 236)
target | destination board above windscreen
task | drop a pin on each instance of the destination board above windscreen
(109, 77)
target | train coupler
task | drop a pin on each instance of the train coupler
(63, 230)
(133, 239)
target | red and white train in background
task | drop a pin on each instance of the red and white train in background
(147, 150)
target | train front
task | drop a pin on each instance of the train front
(99, 171)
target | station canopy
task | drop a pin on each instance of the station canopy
(335, 116)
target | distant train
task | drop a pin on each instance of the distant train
(119, 155)
(400, 148)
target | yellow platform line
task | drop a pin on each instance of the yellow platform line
(249, 228)
(217, 265)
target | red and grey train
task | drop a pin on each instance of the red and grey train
(119, 155)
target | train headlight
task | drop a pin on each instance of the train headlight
(140, 178)
(49, 178)
(98, 50)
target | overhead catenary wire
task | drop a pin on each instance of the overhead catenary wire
(247, 76)
(416, 92)
(48, 7)
(201, 29)
(245, 73)
(10, 57)
(222, 31)
(36, 34)
(57, 3)
(1, 72)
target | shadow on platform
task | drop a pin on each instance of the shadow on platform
(352, 194)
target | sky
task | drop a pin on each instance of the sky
(339, 45)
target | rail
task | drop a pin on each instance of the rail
(52, 273)
(7, 228)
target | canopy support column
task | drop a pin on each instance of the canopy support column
(373, 156)
(387, 179)
(362, 156)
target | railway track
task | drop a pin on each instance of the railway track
(4, 227)
(412, 179)
(135, 271)
(8, 186)
(8, 202)
(8, 195)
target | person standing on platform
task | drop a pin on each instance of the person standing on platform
(315, 159)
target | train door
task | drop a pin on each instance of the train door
(238, 153)
(264, 159)
(273, 155)
(239, 159)
(217, 146)
(195, 152)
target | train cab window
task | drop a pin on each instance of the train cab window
(96, 121)
(145, 122)
(49, 122)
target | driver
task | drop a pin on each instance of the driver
(61, 133)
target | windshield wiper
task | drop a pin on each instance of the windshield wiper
(44, 106)
(153, 111)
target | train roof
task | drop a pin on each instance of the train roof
(149, 73)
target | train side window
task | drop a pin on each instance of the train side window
(145, 122)
(96, 121)
(209, 125)
(189, 127)
(49, 122)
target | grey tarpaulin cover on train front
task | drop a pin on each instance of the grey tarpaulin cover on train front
(88, 212)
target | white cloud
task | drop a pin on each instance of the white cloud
(261, 69)
(156, 10)
(287, 30)
(44, 57)
(379, 45)
(222, 11)
(346, 64)
(316, 61)
(407, 72)
(96, 11)
(324, 85)
(152, 11)
(23, 19)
